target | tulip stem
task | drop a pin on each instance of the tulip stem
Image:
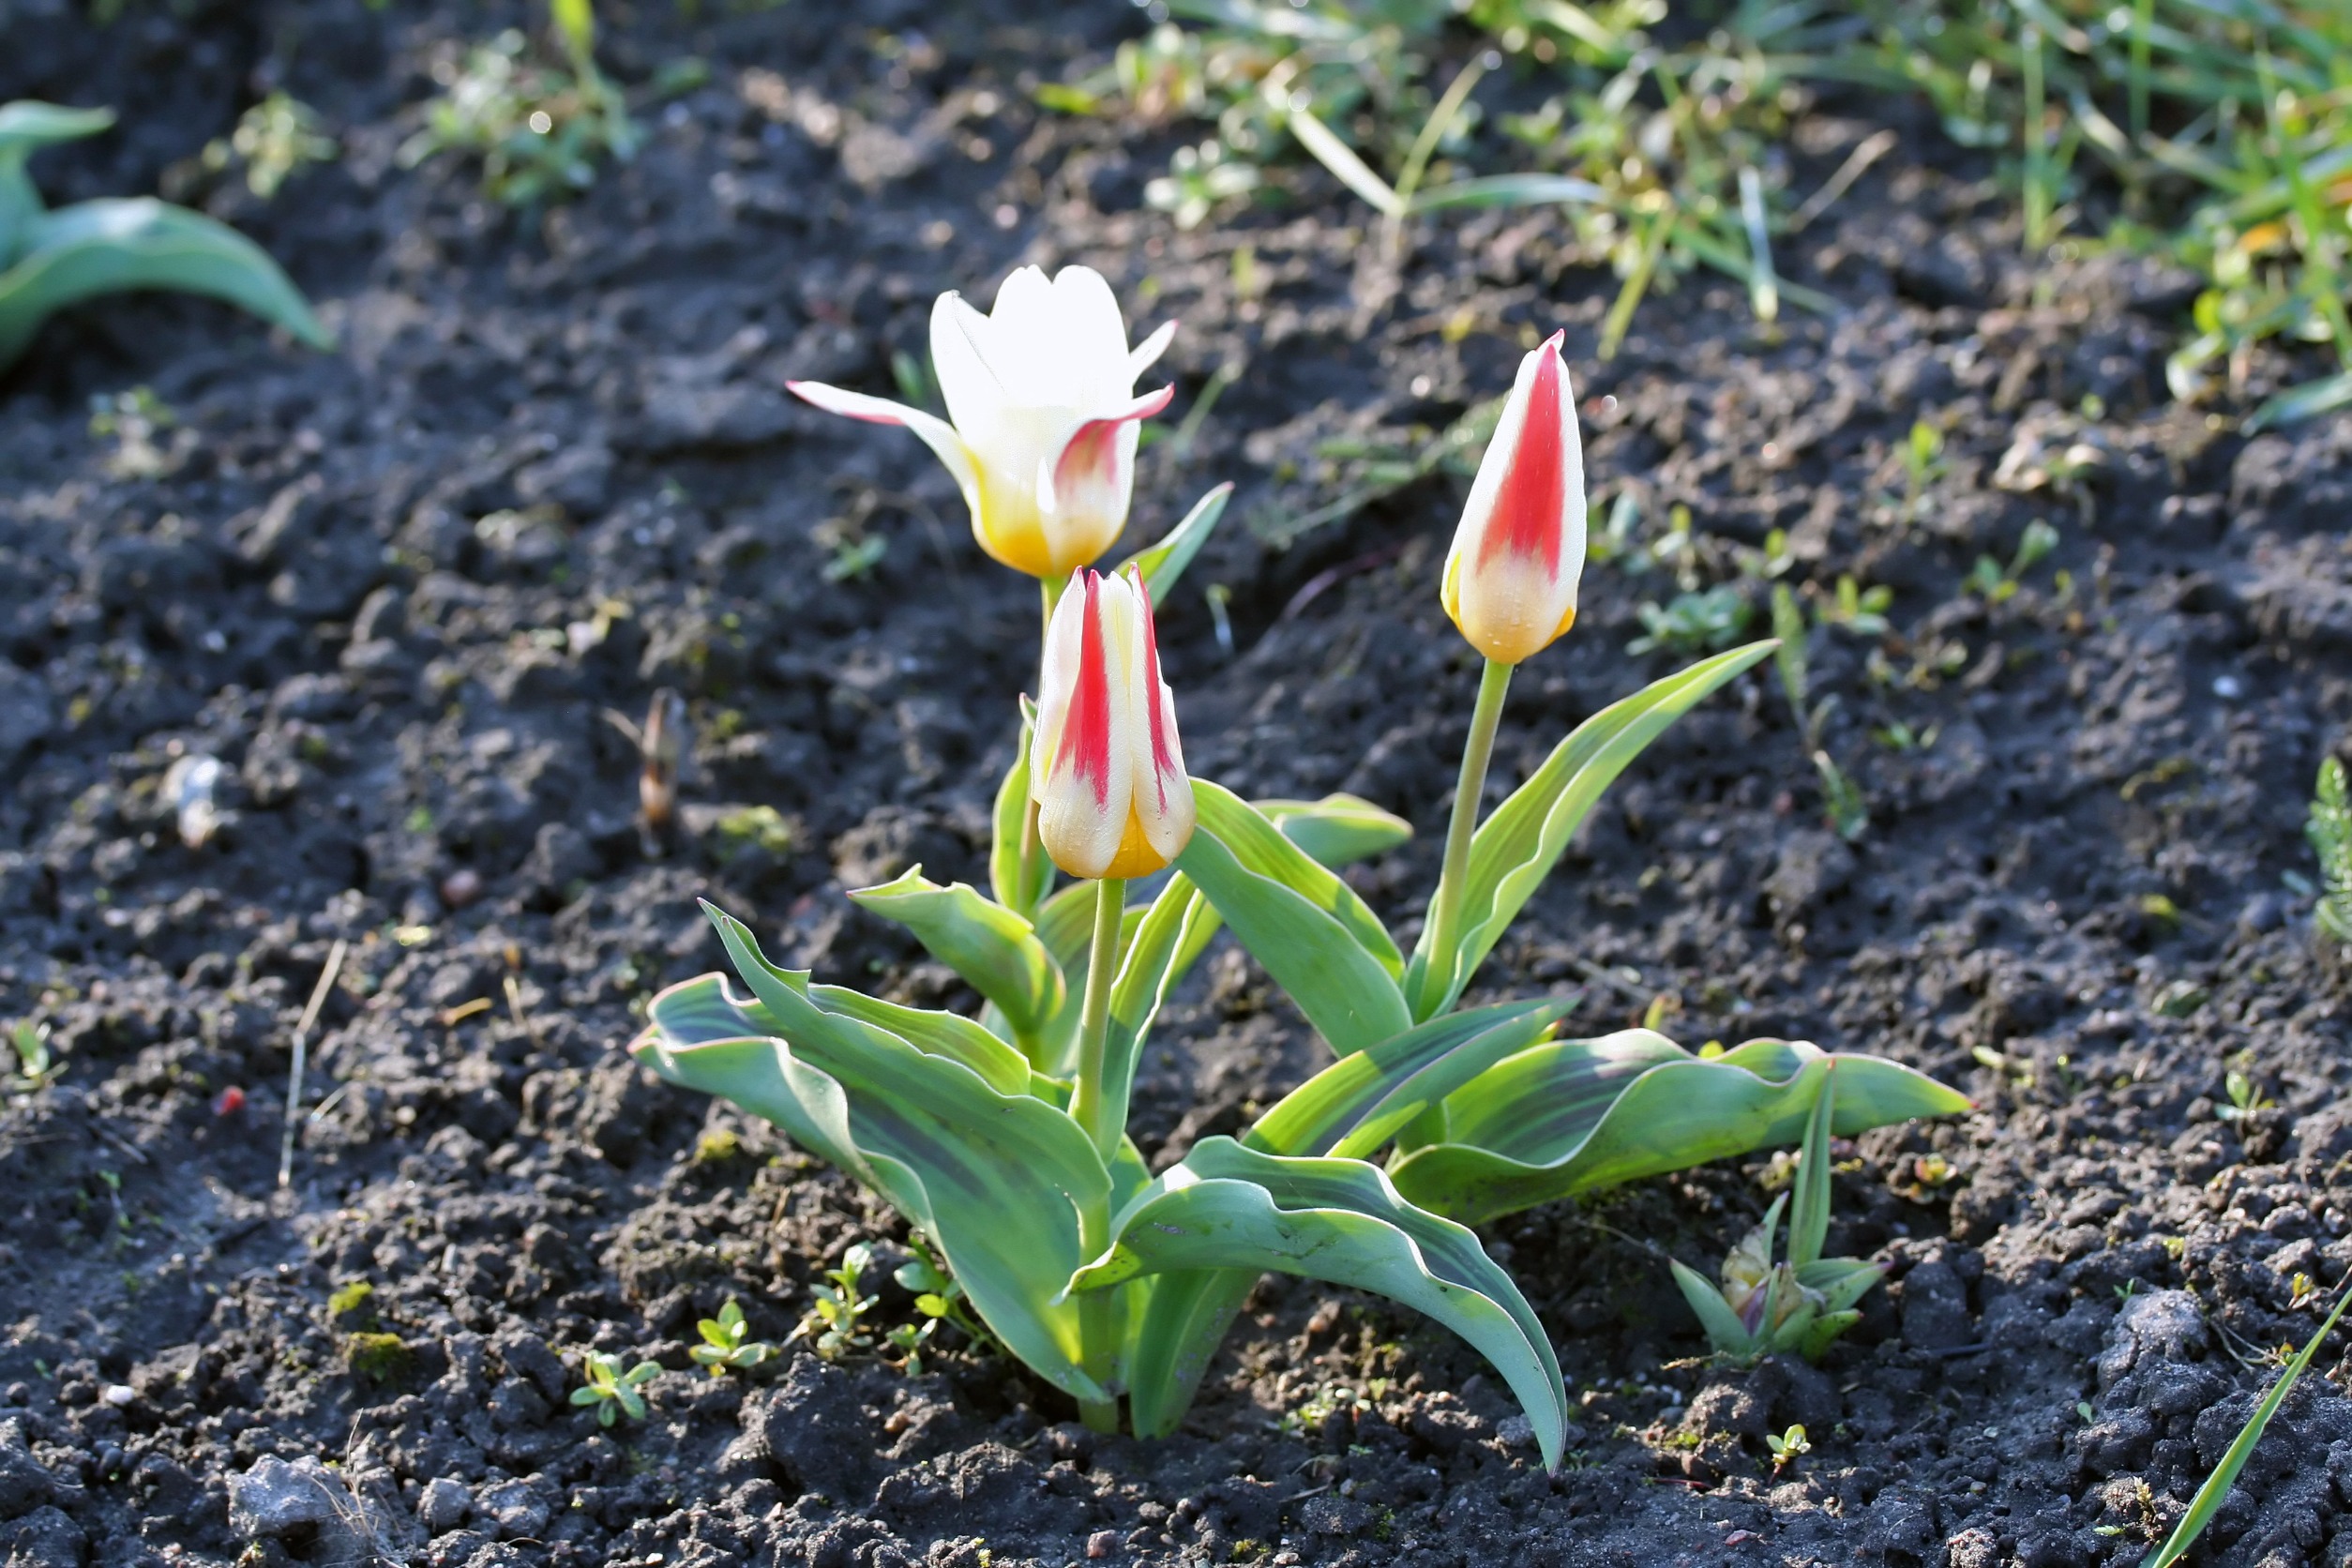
(1445, 914)
(1098, 1323)
(1102, 1121)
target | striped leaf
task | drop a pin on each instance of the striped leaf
(1227, 1207)
(998, 1181)
(1573, 1116)
(1358, 1102)
(1308, 927)
(990, 946)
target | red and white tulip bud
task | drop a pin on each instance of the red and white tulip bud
(1043, 418)
(1106, 768)
(1511, 577)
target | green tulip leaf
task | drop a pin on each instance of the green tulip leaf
(1359, 1102)
(1172, 1342)
(1809, 1195)
(1228, 1207)
(111, 246)
(706, 1008)
(1842, 1281)
(1516, 849)
(1149, 969)
(1305, 926)
(1162, 564)
(1019, 880)
(990, 946)
(1569, 1117)
(1337, 830)
(998, 1181)
(29, 125)
(1726, 1332)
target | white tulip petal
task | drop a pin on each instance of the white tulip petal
(935, 433)
(975, 394)
(1147, 354)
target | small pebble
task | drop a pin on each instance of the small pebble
(119, 1394)
(2228, 687)
(1102, 1542)
(460, 887)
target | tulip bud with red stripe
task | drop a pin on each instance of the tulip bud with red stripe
(1511, 577)
(1106, 769)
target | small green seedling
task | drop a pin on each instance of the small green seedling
(1858, 609)
(1197, 181)
(937, 1294)
(539, 130)
(36, 1065)
(1704, 621)
(835, 1322)
(1765, 1308)
(1924, 463)
(2329, 830)
(613, 1391)
(273, 139)
(908, 1340)
(1900, 736)
(724, 1348)
(50, 259)
(2245, 1098)
(1990, 582)
(1843, 803)
(1787, 1447)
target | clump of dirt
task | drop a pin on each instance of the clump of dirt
(394, 591)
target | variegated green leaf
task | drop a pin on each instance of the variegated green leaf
(1019, 870)
(115, 245)
(1725, 1332)
(695, 1012)
(1305, 926)
(1358, 1102)
(1164, 562)
(998, 1181)
(1575, 1116)
(1150, 964)
(1516, 849)
(1340, 1221)
(990, 946)
(1171, 1341)
(1338, 830)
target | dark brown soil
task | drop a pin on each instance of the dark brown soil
(385, 588)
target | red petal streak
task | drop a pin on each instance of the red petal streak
(1163, 755)
(1086, 733)
(1534, 495)
(1089, 450)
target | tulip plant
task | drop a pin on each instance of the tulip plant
(52, 258)
(1001, 1138)
(1802, 1304)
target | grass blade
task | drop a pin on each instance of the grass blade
(2210, 1496)
(2299, 404)
(1341, 159)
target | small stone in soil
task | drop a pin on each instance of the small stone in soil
(1102, 1542)
(443, 1504)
